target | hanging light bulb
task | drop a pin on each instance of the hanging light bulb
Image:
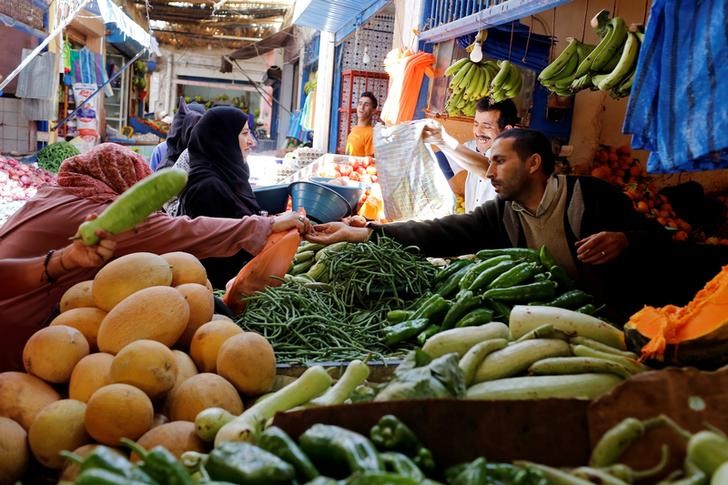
(365, 58)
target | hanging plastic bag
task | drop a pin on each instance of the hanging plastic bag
(413, 186)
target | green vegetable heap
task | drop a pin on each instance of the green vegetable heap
(51, 157)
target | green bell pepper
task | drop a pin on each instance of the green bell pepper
(160, 464)
(275, 440)
(339, 446)
(240, 462)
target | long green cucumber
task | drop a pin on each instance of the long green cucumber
(475, 355)
(602, 347)
(518, 357)
(524, 318)
(460, 340)
(631, 365)
(135, 204)
(580, 386)
(577, 365)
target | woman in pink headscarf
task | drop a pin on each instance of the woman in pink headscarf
(86, 184)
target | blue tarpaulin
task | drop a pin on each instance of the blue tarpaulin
(678, 108)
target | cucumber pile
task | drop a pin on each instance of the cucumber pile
(470, 292)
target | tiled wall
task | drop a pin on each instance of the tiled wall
(15, 130)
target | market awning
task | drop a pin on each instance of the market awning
(126, 35)
(275, 41)
(338, 16)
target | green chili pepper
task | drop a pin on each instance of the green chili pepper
(486, 277)
(400, 464)
(514, 276)
(559, 275)
(515, 253)
(339, 446)
(501, 309)
(451, 269)
(160, 464)
(431, 307)
(571, 299)
(469, 277)
(466, 302)
(396, 316)
(545, 258)
(240, 462)
(615, 442)
(431, 330)
(405, 330)
(451, 284)
(523, 293)
(276, 441)
(476, 317)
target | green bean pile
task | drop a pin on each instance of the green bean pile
(367, 274)
(306, 324)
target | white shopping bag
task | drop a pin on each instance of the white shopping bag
(413, 186)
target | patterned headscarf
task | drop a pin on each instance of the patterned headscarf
(102, 173)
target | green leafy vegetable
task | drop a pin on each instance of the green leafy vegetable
(420, 377)
(51, 156)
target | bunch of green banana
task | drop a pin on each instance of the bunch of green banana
(471, 81)
(507, 82)
(561, 73)
(608, 66)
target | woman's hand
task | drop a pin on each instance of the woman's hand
(601, 247)
(336, 232)
(289, 220)
(79, 255)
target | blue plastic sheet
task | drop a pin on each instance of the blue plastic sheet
(678, 108)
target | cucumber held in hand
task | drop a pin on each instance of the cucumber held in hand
(135, 204)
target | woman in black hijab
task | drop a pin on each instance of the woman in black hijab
(184, 120)
(218, 183)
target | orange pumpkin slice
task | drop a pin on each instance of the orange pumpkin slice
(704, 317)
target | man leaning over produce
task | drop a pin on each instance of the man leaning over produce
(588, 225)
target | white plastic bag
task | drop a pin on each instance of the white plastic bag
(413, 186)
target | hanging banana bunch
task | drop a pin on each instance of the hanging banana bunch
(472, 81)
(608, 66)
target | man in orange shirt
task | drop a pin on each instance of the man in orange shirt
(359, 143)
